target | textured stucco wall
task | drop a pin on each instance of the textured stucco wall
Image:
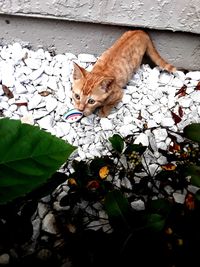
(175, 15)
(180, 49)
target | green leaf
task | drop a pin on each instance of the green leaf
(194, 172)
(117, 142)
(28, 158)
(192, 132)
(159, 206)
(155, 222)
(117, 208)
(135, 148)
(197, 195)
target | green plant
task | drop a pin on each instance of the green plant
(132, 175)
(28, 158)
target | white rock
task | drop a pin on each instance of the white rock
(128, 119)
(43, 209)
(17, 52)
(152, 124)
(185, 102)
(86, 58)
(194, 75)
(127, 129)
(1, 90)
(126, 99)
(39, 113)
(151, 109)
(4, 259)
(157, 117)
(160, 134)
(65, 127)
(46, 122)
(138, 205)
(40, 53)
(153, 169)
(167, 122)
(7, 71)
(179, 198)
(52, 83)
(51, 103)
(61, 58)
(30, 88)
(33, 63)
(165, 78)
(171, 102)
(180, 75)
(49, 224)
(162, 160)
(20, 89)
(106, 124)
(34, 101)
(146, 102)
(28, 119)
(13, 107)
(162, 145)
(142, 138)
(36, 74)
(195, 96)
(4, 105)
(177, 83)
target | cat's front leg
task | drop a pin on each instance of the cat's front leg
(105, 110)
(114, 98)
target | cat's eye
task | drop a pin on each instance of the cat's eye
(77, 96)
(91, 101)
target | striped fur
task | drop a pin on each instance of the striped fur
(102, 87)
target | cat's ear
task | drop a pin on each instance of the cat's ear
(106, 82)
(78, 72)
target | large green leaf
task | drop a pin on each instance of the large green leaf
(159, 206)
(155, 222)
(192, 132)
(117, 208)
(28, 158)
(117, 142)
(194, 172)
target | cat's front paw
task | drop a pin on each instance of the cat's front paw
(103, 112)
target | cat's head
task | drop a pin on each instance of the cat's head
(89, 90)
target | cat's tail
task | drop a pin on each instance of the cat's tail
(156, 58)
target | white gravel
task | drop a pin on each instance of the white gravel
(41, 87)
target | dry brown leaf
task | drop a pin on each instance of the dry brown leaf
(7, 91)
(180, 111)
(198, 86)
(45, 93)
(182, 91)
(175, 117)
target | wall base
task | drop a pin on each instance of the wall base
(180, 49)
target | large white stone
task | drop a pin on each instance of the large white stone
(34, 101)
(142, 138)
(194, 75)
(86, 58)
(51, 103)
(106, 124)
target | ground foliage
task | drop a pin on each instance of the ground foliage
(164, 232)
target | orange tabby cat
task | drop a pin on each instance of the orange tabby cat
(102, 87)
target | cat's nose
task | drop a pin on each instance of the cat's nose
(81, 107)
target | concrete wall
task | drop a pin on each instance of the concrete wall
(176, 15)
(91, 26)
